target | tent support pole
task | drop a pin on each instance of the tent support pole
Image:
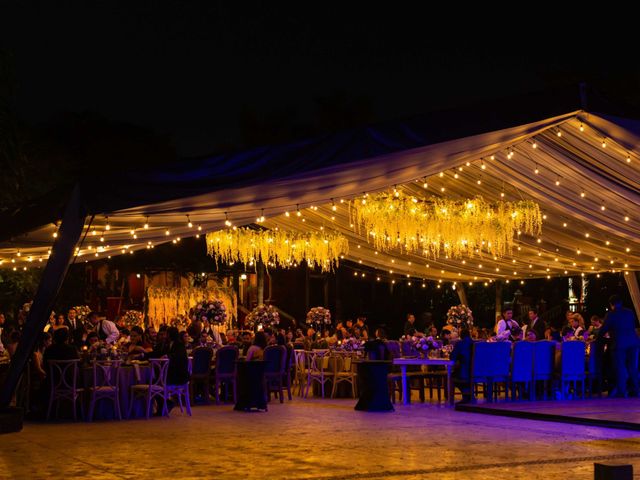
(498, 297)
(260, 272)
(50, 284)
(632, 284)
(462, 294)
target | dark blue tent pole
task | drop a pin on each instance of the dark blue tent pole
(50, 283)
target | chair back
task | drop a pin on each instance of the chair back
(105, 373)
(394, 348)
(201, 360)
(315, 361)
(226, 359)
(408, 349)
(501, 363)
(343, 362)
(158, 374)
(481, 359)
(275, 357)
(375, 350)
(596, 352)
(63, 375)
(522, 362)
(544, 352)
(573, 358)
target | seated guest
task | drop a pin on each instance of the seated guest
(14, 339)
(432, 331)
(516, 334)
(271, 338)
(289, 337)
(360, 323)
(92, 340)
(381, 334)
(349, 326)
(186, 339)
(37, 384)
(59, 322)
(37, 360)
(138, 347)
(256, 351)
(309, 339)
(461, 355)
(577, 325)
(247, 341)
(125, 337)
(299, 340)
(536, 324)
(151, 333)
(204, 341)
(60, 349)
(410, 323)
(160, 348)
(178, 370)
(531, 336)
(594, 328)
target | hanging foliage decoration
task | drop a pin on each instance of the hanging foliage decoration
(278, 247)
(441, 226)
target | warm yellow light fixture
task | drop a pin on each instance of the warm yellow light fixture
(444, 227)
(279, 247)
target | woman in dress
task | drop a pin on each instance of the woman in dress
(59, 323)
(256, 351)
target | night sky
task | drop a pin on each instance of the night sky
(214, 75)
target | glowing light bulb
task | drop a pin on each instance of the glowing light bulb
(626, 219)
(581, 128)
(604, 143)
(534, 145)
(628, 158)
(425, 185)
(559, 133)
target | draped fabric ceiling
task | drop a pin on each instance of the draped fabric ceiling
(584, 172)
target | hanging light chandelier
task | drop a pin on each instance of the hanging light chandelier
(278, 247)
(455, 228)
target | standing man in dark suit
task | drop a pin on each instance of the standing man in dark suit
(409, 325)
(76, 327)
(536, 324)
(620, 323)
(461, 355)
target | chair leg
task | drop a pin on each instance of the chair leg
(131, 399)
(179, 395)
(187, 401)
(217, 392)
(116, 400)
(92, 407)
(50, 407)
(148, 405)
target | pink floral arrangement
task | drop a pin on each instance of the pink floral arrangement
(262, 315)
(212, 310)
(319, 316)
(459, 316)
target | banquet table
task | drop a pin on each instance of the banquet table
(404, 362)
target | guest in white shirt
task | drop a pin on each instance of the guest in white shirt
(106, 329)
(504, 326)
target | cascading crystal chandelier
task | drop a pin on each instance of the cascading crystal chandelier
(278, 247)
(439, 226)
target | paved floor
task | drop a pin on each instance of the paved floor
(320, 439)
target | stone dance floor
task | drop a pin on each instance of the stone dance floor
(320, 439)
(623, 413)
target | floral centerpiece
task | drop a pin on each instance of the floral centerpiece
(212, 310)
(262, 315)
(82, 311)
(460, 316)
(181, 322)
(133, 318)
(347, 345)
(422, 344)
(319, 316)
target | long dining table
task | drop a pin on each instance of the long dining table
(405, 362)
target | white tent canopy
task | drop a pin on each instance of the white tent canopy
(587, 185)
